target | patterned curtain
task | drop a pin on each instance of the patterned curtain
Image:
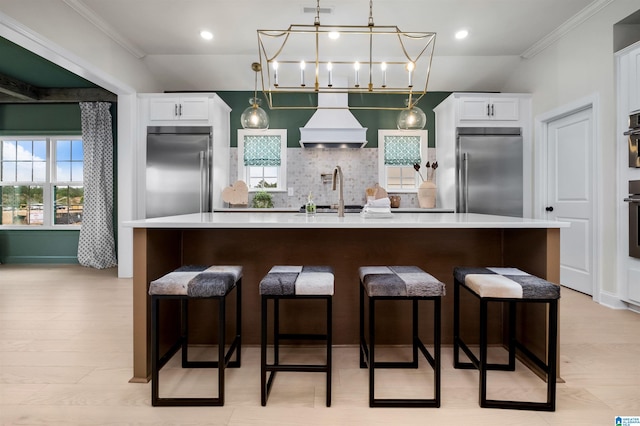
(262, 150)
(402, 150)
(96, 247)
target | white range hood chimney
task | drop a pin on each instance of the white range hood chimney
(333, 125)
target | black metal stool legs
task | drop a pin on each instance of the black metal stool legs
(224, 358)
(268, 371)
(482, 364)
(368, 351)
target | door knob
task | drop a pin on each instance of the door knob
(549, 209)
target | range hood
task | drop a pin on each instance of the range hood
(333, 125)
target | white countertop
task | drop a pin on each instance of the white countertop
(248, 220)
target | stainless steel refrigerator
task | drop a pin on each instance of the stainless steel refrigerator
(178, 171)
(489, 173)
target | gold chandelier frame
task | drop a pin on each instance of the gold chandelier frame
(272, 43)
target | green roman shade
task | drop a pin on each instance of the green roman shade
(262, 150)
(402, 150)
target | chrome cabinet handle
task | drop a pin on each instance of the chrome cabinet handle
(175, 110)
(488, 110)
(180, 110)
(492, 111)
(632, 200)
(201, 181)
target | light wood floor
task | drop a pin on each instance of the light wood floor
(66, 358)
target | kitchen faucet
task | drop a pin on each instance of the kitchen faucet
(337, 172)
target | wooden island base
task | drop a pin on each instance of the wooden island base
(436, 250)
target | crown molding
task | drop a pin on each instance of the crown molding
(565, 28)
(90, 15)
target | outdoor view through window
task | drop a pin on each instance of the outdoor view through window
(41, 181)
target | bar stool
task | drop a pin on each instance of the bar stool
(299, 283)
(184, 284)
(400, 283)
(511, 286)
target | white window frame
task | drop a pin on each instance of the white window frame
(382, 168)
(47, 185)
(282, 169)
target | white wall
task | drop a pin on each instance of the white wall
(579, 65)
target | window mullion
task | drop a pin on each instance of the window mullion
(47, 198)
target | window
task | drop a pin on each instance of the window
(262, 159)
(398, 151)
(41, 181)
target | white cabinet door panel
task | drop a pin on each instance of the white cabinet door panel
(161, 109)
(194, 108)
(505, 109)
(474, 109)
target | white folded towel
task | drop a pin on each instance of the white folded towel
(375, 210)
(380, 202)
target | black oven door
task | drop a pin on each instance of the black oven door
(634, 141)
(634, 225)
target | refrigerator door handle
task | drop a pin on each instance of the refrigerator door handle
(202, 181)
(465, 184)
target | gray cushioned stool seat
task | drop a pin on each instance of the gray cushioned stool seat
(284, 282)
(511, 288)
(179, 287)
(506, 283)
(401, 283)
(197, 281)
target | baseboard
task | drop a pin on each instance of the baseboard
(612, 301)
(35, 260)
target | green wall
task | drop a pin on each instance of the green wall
(373, 120)
(44, 246)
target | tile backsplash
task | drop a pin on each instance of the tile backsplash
(305, 168)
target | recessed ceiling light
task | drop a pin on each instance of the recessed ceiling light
(334, 35)
(207, 35)
(462, 34)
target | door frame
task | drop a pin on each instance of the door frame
(541, 123)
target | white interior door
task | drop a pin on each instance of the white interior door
(570, 196)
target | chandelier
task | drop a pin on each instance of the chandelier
(353, 59)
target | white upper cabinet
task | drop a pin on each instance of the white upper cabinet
(172, 108)
(489, 108)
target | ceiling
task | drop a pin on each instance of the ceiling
(165, 35)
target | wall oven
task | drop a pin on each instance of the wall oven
(634, 139)
(634, 218)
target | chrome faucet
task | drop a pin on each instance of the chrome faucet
(337, 172)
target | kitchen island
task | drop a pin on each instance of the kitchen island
(435, 242)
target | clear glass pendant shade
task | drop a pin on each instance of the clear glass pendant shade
(254, 117)
(411, 119)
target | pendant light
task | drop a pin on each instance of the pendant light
(255, 117)
(412, 118)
